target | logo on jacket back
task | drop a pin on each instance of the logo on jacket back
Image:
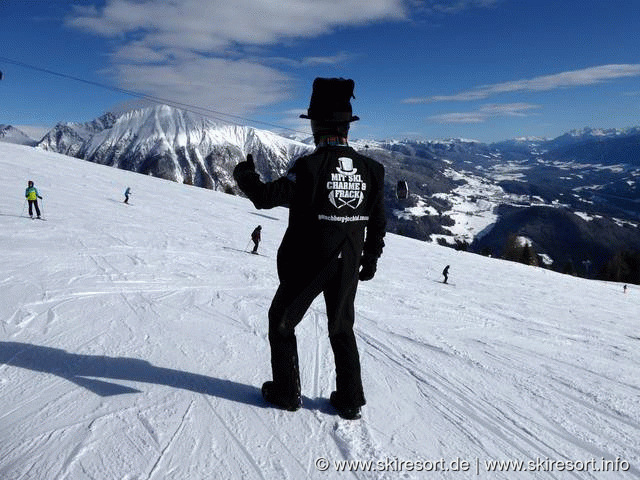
(346, 187)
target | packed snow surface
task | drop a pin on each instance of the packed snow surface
(133, 344)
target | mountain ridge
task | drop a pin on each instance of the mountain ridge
(11, 134)
(458, 186)
(173, 144)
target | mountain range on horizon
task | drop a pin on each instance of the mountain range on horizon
(571, 136)
(461, 189)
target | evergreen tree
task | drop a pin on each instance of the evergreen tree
(569, 269)
(517, 251)
(512, 250)
(623, 267)
(528, 256)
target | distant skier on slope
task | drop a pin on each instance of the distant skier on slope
(255, 238)
(333, 194)
(127, 192)
(445, 272)
(31, 194)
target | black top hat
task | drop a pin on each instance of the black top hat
(331, 100)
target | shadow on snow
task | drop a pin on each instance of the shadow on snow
(83, 370)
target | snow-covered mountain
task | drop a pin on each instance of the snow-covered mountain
(590, 132)
(173, 144)
(519, 186)
(459, 187)
(10, 134)
(133, 343)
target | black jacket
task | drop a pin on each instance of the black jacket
(333, 195)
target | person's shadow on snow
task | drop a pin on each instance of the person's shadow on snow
(89, 371)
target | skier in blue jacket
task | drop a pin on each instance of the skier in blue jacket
(31, 194)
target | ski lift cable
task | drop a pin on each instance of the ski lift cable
(210, 113)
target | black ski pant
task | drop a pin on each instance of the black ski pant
(291, 301)
(33, 203)
(255, 246)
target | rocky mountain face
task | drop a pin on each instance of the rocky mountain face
(462, 192)
(173, 144)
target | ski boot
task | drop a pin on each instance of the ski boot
(271, 394)
(345, 411)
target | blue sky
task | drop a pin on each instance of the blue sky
(482, 69)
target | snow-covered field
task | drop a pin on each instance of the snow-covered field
(133, 343)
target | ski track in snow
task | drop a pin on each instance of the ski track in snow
(134, 344)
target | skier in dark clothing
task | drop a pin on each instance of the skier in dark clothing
(445, 272)
(333, 194)
(255, 238)
(127, 192)
(31, 194)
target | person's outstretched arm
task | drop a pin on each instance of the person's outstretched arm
(263, 195)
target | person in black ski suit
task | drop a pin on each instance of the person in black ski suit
(445, 272)
(334, 196)
(255, 238)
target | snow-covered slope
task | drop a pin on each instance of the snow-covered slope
(133, 343)
(174, 144)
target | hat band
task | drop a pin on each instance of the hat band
(331, 116)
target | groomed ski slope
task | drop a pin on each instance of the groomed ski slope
(133, 343)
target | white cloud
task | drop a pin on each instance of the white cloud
(291, 120)
(486, 112)
(216, 24)
(469, 117)
(329, 60)
(574, 78)
(203, 52)
(455, 6)
(196, 52)
(508, 109)
(138, 53)
(233, 87)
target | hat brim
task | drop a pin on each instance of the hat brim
(353, 118)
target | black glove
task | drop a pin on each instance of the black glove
(369, 265)
(244, 167)
(39, 197)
